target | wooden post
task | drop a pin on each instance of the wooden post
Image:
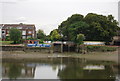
(68, 48)
(62, 48)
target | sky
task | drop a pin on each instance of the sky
(48, 14)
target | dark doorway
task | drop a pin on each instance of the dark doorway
(117, 43)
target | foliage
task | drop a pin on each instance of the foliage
(31, 38)
(7, 38)
(102, 27)
(41, 41)
(5, 42)
(22, 40)
(47, 38)
(14, 71)
(41, 34)
(95, 27)
(80, 38)
(68, 28)
(15, 35)
(54, 35)
(101, 48)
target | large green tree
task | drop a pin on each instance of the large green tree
(54, 35)
(102, 28)
(15, 35)
(67, 30)
(41, 34)
(93, 26)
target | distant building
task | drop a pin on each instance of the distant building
(119, 12)
(94, 43)
(28, 30)
(116, 39)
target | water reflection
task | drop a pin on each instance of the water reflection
(59, 68)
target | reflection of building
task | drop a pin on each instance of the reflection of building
(28, 30)
(94, 67)
(25, 71)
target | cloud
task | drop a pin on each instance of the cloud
(22, 0)
(21, 19)
(8, 1)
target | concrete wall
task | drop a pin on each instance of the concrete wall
(27, 49)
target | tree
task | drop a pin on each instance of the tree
(67, 30)
(14, 71)
(102, 27)
(40, 34)
(93, 26)
(54, 35)
(47, 37)
(15, 35)
(80, 38)
(77, 28)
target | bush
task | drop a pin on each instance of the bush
(41, 41)
(7, 38)
(31, 38)
(101, 48)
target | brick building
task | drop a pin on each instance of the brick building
(28, 30)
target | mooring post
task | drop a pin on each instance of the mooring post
(62, 47)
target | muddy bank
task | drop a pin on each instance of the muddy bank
(105, 56)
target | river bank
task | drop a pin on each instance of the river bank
(104, 56)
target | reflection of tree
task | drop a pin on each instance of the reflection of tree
(75, 71)
(14, 71)
(71, 72)
(54, 67)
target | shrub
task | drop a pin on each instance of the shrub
(7, 38)
(101, 48)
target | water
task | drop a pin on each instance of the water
(59, 68)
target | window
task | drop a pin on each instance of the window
(33, 35)
(29, 32)
(30, 27)
(9, 27)
(19, 27)
(23, 32)
(29, 36)
(23, 37)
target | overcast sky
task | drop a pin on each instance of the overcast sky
(48, 14)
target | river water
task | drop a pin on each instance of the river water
(59, 68)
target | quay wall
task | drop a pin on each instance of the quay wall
(27, 49)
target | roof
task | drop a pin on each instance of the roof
(24, 26)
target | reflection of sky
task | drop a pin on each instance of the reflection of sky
(74, 68)
(45, 72)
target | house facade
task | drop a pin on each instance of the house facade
(27, 30)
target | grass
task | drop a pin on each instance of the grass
(5, 42)
(101, 48)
